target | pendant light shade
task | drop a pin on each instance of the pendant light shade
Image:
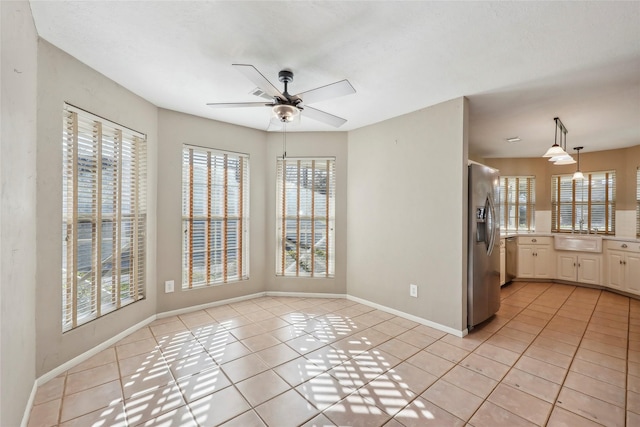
(564, 160)
(578, 173)
(554, 151)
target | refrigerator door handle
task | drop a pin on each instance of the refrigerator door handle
(491, 237)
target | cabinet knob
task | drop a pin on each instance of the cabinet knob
(620, 261)
(624, 245)
(534, 240)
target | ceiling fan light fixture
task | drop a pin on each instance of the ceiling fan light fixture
(285, 113)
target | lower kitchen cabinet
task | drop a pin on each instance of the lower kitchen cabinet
(582, 268)
(623, 266)
(616, 268)
(535, 258)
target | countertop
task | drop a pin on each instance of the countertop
(604, 236)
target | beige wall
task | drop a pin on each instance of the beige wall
(61, 78)
(176, 129)
(407, 199)
(307, 144)
(624, 161)
(18, 211)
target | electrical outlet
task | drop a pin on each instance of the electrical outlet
(168, 286)
(413, 290)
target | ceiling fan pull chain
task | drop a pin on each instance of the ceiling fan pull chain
(284, 140)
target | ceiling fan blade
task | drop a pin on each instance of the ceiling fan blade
(238, 104)
(323, 117)
(333, 90)
(259, 80)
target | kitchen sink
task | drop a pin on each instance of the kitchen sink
(579, 243)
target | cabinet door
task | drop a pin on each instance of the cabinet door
(525, 261)
(589, 269)
(615, 270)
(632, 273)
(566, 267)
(544, 266)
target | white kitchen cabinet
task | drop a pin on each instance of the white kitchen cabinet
(623, 266)
(581, 267)
(535, 258)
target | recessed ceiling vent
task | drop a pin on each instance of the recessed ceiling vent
(259, 92)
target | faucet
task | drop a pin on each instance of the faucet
(581, 225)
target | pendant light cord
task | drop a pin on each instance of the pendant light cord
(284, 139)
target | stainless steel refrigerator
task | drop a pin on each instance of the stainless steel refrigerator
(483, 295)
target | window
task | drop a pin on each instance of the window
(517, 203)
(305, 217)
(584, 205)
(215, 217)
(103, 218)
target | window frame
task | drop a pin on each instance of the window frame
(89, 196)
(305, 268)
(609, 203)
(216, 215)
(506, 205)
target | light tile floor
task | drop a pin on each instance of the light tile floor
(554, 355)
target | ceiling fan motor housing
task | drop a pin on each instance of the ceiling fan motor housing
(285, 76)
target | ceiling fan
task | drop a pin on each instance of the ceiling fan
(287, 107)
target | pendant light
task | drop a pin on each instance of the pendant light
(578, 174)
(555, 149)
(566, 159)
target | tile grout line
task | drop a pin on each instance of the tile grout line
(554, 405)
(62, 398)
(486, 399)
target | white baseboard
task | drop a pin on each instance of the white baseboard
(411, 317)
(92, 352)
(208, 305)
(76, 361)
(27, 409)
(304, 295)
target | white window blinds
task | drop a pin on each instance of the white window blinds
(584, 205)
(305, 217)
(517, 203)
(104, 217)
(215, 217)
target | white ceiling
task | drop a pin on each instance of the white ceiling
(520, 63)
